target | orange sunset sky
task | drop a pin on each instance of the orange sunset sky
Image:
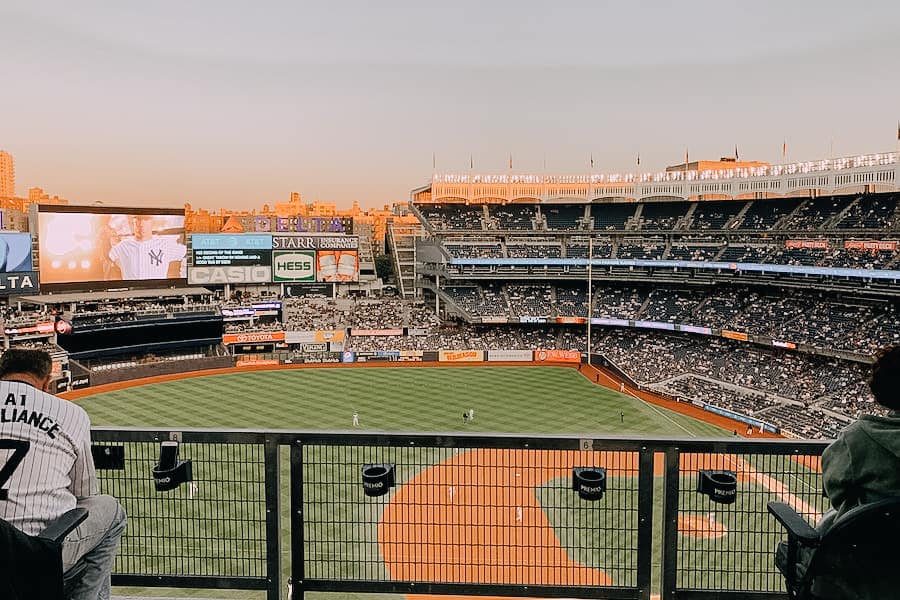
(232, 106)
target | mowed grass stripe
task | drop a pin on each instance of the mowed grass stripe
(506, 399)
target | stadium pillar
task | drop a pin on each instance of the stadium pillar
(437, 298)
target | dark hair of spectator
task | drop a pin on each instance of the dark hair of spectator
(32, 362)
(885, 381)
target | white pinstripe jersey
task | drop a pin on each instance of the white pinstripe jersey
(45, 456)
(148, 259)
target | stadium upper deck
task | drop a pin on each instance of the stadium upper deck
(838, 176)
(820, 224)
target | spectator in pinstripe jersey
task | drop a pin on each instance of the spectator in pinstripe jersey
(47, 469)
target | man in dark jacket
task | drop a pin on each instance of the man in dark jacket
(863, 464)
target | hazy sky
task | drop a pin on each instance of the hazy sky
(233, 104)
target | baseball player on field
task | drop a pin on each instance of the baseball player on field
(45, 453)
(144, 255)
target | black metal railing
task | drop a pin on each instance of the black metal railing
(466, 514)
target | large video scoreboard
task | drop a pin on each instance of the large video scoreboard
(103, 246)
(266, 258)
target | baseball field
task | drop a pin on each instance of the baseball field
(455, 514)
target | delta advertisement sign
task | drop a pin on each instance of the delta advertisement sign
(17, 274)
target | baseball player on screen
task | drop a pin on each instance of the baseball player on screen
(145, 255)
(46, 469)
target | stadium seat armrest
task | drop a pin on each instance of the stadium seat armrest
(60, 527)
(796, 525)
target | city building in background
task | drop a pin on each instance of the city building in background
(298, 217)
(7, 175)
(36, 195)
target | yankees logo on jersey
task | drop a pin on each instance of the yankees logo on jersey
(45, 456)
(148, 259)
(156, 258)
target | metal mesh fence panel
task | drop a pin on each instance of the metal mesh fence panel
(214, 527)
(732, 546)
(469, 516)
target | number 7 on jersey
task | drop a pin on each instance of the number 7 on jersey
(20, 449)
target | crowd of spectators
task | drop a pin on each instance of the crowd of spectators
(726, 224)
(719, 250)
(454, 216)
(35, 344)
(306, 314)
(254, 325)
(762, 383)
(513, 217)
(828, 322)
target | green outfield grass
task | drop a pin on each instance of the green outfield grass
(549, 400)
(505, 399)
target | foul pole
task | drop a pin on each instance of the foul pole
(589, 302)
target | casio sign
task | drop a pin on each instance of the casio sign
(212, 275)
(294, 266)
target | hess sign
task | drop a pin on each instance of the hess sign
(294, 266)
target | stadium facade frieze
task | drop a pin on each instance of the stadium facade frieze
(825, 176)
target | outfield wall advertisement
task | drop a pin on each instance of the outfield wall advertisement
(557, 356)
(461, 355)
(510, 355)
(411, 356)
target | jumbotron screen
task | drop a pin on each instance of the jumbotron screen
(85, 244)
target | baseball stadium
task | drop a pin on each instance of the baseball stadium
(576, 386)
